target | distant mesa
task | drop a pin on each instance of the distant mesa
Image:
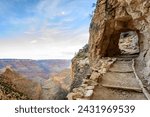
(37, 70)
(27, 79)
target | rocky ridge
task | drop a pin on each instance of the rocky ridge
(14, 86)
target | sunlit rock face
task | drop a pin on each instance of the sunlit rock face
(113, 17)
(129, 43)
(57, 87)
(14, 86)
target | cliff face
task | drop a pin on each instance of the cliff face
(57, 87)
(80, 67)
(113, 17)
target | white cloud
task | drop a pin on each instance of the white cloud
(33, 41)
(51, 40)
(51, 44)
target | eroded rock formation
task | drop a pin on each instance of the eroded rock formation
(57, 86)
(80, 67)
(14, 86)
(36, 70)
(111, 19)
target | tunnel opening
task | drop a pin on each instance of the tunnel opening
(123, 43)
(119, 37)
(129, 43)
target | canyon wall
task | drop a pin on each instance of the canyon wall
(111, 19)
(57, 86)
(80, 68)
(14, 86)
(37, 70)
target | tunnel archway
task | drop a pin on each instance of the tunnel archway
(120, 37)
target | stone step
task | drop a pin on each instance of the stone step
(122, 66)
(124, 59)
(103, 93)
(123, 88)
(128, 56)
(125, 81)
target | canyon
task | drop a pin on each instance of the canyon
(27, 79)
(114, 65)
(37, 70)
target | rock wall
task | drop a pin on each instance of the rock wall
(111, 18)
(80, 67)
(85, 89)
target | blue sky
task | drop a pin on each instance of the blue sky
(43, 29)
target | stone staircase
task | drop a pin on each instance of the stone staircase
(120, 82)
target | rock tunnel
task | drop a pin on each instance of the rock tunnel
(114, 18)
(120, 38)
(115, 33)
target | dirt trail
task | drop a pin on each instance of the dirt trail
(120, 82)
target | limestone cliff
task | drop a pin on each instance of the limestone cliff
(111, 19)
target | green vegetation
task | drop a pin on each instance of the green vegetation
(9, 92)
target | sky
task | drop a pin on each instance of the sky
(43, 29)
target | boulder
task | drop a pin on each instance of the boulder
(88, 93)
